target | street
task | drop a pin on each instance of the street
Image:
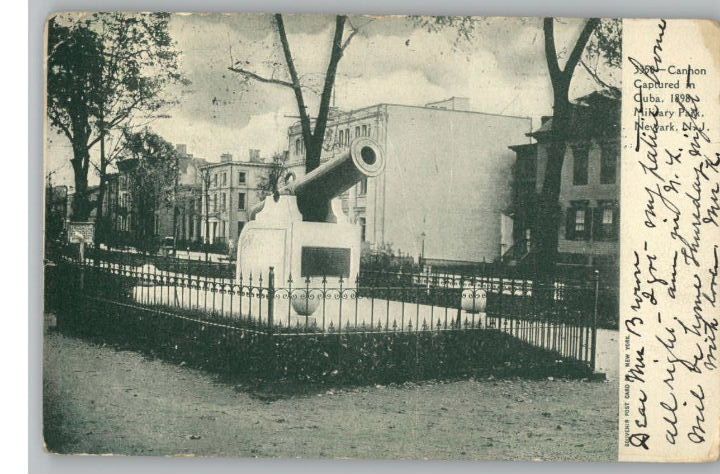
(100, 400)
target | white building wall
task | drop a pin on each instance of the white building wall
(448, 176)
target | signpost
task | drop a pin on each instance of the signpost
(81, 233)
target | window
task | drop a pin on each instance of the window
(241, 177)
(606, 223)
(241, 201)
(364, 130)
(357, 131)
(527, 168)
(368, 132)
(341, 136)
(297, 146)
(363, 186)
(577, 223)
(222, 202)
(215, 180)
(224, 178)
(214, 202)
(347, 136)
(241, 224)
(361, 221)
(608, 163)
(580, 163)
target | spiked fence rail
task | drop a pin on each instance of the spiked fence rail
(379, 311)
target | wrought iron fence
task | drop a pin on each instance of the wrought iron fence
(162, 263)
(561, 318)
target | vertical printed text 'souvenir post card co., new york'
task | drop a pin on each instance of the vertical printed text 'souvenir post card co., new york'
(396, 237)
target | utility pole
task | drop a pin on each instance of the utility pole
(175, 207)
(206, 183)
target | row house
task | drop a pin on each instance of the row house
(588, 232)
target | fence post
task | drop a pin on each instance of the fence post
(82, 265)
(271, 297)
(458, 321)
(596, 277)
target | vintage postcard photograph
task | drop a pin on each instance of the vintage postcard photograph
(380, 237)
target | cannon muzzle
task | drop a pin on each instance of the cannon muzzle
(315, 190)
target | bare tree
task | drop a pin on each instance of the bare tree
(313, 136)
(313, 129)
(606, 43)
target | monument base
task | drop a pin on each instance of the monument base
(279, 238)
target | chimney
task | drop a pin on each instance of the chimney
(254, 155)
(225, 158)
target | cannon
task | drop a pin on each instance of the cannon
(301, 231)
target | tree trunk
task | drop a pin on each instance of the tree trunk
(100, 227)
(314, 149)
(81, 200)
(548, 215)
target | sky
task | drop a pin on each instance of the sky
(502, 70)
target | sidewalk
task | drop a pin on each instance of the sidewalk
(188, 255)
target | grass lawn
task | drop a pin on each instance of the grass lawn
(100, 400)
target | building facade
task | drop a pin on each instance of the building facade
(589, 189)
(229, 191)
(182, 217)
(446, 182)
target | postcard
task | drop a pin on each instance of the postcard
(381, 237)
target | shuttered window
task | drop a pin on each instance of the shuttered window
(580, 163)
(578, 221)
(606, 221)
(608, 163)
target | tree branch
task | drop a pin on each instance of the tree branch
(58, 123)
(353, 32)
(259, 78)
(579, 47)
(550, 51)
(595, 77)
(302, 110)
(336, 53)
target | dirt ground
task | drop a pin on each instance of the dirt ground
(100, 400)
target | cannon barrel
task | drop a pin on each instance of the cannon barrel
(315, 190)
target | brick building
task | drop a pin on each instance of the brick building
(590, 183)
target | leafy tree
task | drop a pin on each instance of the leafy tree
(605, 44)
(151, 164)
(124, 61)
(74, 66)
